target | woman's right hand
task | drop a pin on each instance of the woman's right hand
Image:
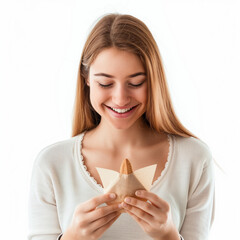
(90, 221)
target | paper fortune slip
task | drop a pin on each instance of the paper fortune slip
(126, 182)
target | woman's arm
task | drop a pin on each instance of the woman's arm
(43, 217)
(200, 207)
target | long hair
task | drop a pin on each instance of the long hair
(127, 33)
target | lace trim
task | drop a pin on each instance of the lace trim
(82, 163)
(167, 162)
(93, 180)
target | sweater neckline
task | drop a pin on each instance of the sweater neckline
(97, 186)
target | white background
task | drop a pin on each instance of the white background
(40, 48)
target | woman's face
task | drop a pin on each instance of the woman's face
(118, 87)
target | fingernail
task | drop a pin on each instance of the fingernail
(112, 195)
(138, 193)
(128, 200)
(120, 205)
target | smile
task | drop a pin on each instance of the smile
(121, 110)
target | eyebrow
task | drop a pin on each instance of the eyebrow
(111, 76)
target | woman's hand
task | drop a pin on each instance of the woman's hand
(90, 221)
(154, 217)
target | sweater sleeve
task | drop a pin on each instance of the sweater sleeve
(43, 216)
(200, 207)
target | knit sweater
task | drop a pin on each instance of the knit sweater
(60, 182)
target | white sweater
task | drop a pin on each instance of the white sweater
(60, 181)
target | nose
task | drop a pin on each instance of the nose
(121, 96)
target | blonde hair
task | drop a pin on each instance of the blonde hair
(127, 33)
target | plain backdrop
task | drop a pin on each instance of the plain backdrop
(40, 47)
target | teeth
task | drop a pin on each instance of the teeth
(121, 110)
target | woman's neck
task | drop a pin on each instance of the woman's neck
(136, 136)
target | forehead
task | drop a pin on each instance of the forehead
(116, 62)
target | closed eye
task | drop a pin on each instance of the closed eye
(105, 85)
(136, 85)
(129, 84)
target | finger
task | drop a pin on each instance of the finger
(96, 201)
(139, 213)
(154, 199)
(102, 211)
(103, 221)
(98, 232)
(137, 219)
(145, 206)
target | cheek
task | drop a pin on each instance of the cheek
(96, 96)
(145, 95)
(142, 95)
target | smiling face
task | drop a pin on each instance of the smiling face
(118, 87)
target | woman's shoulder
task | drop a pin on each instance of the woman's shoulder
(55, 153)
(193, 148)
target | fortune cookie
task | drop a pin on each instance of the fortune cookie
(126, 182)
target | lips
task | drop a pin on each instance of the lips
(121, 110)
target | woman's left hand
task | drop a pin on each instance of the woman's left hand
(154, 218)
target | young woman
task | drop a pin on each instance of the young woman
(122, 110)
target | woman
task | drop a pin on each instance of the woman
(122, 109)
